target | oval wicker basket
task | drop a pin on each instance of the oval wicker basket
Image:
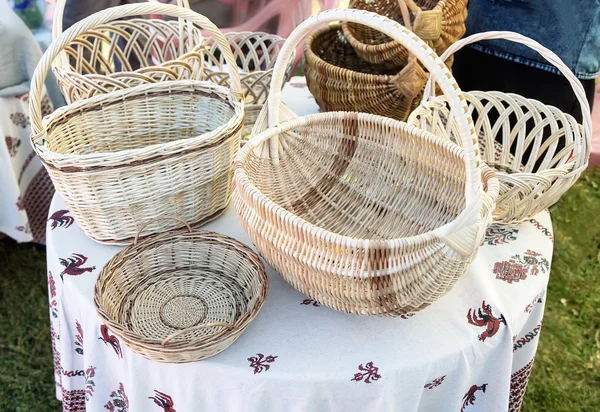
(181, 296)
(340, 80)
(126, 52)
(362, 213)
(438, 22)
(123, 158)
(542, 150)
(255, 53)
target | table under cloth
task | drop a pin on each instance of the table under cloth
(470, 351)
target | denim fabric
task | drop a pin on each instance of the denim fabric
(570, 28)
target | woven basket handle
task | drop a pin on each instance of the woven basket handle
(114, 13)
(414, 45)
(552, 58)
(145, 225)
(204, 325)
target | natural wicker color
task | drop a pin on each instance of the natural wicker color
(255, 54)
(438, 22)
(123, 158)
(181, 296)
(100, 59)
(543, 150)
(363, 213)
(340, 80)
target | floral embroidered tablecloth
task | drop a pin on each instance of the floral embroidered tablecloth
(471, 351)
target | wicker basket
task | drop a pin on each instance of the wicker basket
(543, 151)
(255, 54)
(438, 22)
(126, 52)
(362, 213)
(181, 296)
(340, 80)
(123, 158)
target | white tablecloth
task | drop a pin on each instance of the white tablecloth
(470, 351)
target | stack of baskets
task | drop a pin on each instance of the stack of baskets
(351, 67)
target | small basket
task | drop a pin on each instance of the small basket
(340, 80)
(255, 54)
(181, 296)
(102, 58)
(543, 151)
(438, 22)
(123, 158)
(362, 213)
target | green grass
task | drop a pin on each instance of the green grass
(566, 373)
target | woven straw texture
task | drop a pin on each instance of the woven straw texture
(181, 296)
(340, 80)
(123, 158)
(255, 54)
(126, 52)
(363, 213)
(543, 151)
(438, 22)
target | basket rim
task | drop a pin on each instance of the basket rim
(160, 239)
(242, 180)
(140, 153)
(315, 60)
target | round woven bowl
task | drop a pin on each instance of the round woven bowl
(341, 81)
(181, 296)
(438, 22)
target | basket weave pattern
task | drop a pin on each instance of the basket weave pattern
(169, 296)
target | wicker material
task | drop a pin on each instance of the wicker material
(126, 52)
(550, 149)
(363, 213)
(121, 159)
(438, 22)
(181, 296)
(255, 54)
(340, 80)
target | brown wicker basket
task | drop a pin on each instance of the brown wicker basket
(438, 22)
(181, 296)
(340, 80)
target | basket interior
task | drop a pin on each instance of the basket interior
(364, 179)
(332, 47)
(139, 120)
(164, 287)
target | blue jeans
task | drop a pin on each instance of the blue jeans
(570, 28)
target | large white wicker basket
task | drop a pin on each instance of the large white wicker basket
(123, 158)
(363, 213)
(543, 151)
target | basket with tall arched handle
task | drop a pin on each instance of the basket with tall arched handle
(122, 158)
(437, 22)
(126, 52)
(538, 151)
(362, 213)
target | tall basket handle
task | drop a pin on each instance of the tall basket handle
(118, 12)
(414, 45)
(552, 58)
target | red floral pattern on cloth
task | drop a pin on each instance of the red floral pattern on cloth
(369, 373)
(163, 400)
(79, 337)
(542, 229)
(260, 362)
(25, 165)
(20, 203)
(434, 383)
(485, 318)
(55, 352)
(470, 398)
(518, 385)
(500, 236)
(25, 229)
(310, 302)
(90, 372)
(20, 119)
(529, 336)
(110, 340)
(118, 400)
(12, 144)
(73, 400)
(73, 265)
(519, 267)
(60, 219)
(51, 285)
(530, 306)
